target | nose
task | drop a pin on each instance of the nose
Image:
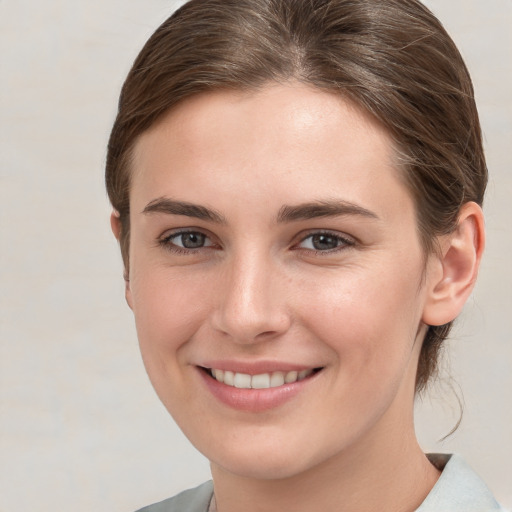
(252, 305)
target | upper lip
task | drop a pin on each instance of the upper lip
(256, 367)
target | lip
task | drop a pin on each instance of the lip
(254, 400)
(255, 367)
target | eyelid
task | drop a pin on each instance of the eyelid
(165, 240)
(347, 240)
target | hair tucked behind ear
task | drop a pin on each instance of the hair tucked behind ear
(391, 57)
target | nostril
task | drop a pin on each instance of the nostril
(267, 334)
(250, 326)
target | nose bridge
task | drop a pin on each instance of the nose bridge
(252, 306)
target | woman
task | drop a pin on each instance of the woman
(296, 190)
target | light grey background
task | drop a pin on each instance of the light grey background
(80, 427)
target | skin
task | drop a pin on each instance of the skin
(259, 291)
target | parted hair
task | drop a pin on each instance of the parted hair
(392, 58)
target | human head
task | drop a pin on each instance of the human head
(392, 58)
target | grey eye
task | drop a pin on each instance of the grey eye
(324, 242)
(190, 240)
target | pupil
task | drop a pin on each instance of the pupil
(323, 242)
(192, 240)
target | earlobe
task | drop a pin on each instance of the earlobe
(453, 272)
(128, 292)
(115, 224)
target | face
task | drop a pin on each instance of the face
(276, 278)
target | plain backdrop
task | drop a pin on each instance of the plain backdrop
(81, 429)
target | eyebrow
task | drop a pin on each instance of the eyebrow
(287, 213)
(327, 208)
(173, 207)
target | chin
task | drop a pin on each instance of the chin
(262, 468)
(263, 460)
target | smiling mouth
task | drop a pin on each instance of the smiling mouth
(260, 381)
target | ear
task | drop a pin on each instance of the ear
(452, 273)
(115, 224)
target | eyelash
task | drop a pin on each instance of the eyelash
(167, 242)
(343, 242)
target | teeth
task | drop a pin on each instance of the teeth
(242, 380)
(277, 379)
(291, 377)
(218, 374)
(261, 381)
(303, 374)
(229, 378)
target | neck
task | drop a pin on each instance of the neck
(397, 479)
(384, 470)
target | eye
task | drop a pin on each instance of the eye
(186, 241)
(325, 242)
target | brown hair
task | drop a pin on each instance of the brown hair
(392, 58)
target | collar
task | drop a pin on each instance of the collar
(458, 489)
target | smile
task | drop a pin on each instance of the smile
(257, 391)
(261, 381)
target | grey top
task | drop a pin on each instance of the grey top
(459, 489)
(192, 500)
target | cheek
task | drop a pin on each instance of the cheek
(167, 315)
(368, 318)
(167, 309)
(369, 324)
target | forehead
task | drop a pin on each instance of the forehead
(286, 139)
(291, 111)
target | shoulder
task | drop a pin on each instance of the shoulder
(459, 488)
(192, 500)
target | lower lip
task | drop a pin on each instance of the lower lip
(254, 400)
